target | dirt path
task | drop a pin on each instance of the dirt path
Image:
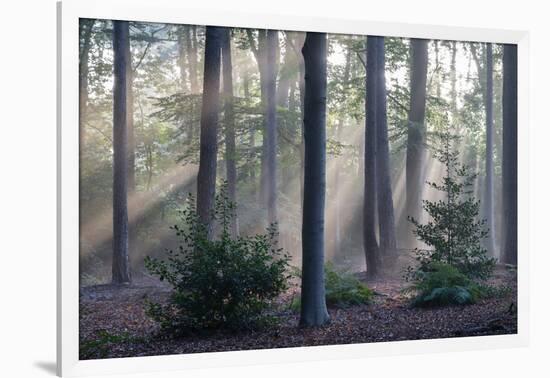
(113, 322)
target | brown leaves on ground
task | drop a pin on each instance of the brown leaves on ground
(113, 322)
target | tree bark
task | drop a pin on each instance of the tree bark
(206, 180)
(370, 245)
(86, 26)
(313, 306)
(121, 266)
(510, 154)
(229, 120)
(416, 131)
(489, 146)
(386, 218)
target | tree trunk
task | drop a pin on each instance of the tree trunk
(510, 154)
(416, 132)
(191, 44)
(313, 306)
(230, 152)
(206, 180)
(182, 36)
(271, 126)
(489, 148)
(339, 131)
(86, 30)
(386, 218)
(121, 266)
(370, 245)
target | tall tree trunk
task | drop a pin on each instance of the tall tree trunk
(339, 131)
(132, 231)
(229, 120)
(206, 180)
(271, 126)
(370, 245)
(86, 26)
(489, 148)
(416, 131)
(121, 266)
(386, 218)
(313, 306)
(454, 94)
(510, 154)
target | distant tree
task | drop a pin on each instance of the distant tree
(386, 218)
(370, 244)
(416, 130)
(121, 266)
(510, 154)
(313, 303)
(206, 180)
(229, 122)
(86, 26)
(271, 126)
(489, 209)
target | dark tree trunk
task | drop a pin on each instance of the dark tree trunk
(206, 180)
(271, 126)
(230, 152)
(416, 131)
(313, 306)
(510, 154)
(386, 218)
(121, 266)
(489, 148)
(370, 245)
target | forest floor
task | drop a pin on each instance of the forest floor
(113, 322)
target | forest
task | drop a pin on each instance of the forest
(249, 189)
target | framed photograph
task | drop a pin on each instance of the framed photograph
(240, 188)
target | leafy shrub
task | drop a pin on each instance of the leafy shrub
(455, 231)
(443, 284)
(226, 282)
(342, 289)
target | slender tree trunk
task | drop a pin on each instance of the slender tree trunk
(416, 132)
(313, 306)
(183, 37)
(230, 152)
(121, 266)
(132, 231)
(370, 245)
(510, 154)
(191, 44)
(489, 148)
(454, 94)
(206, 180)
(271, 126)
(86, 31)
(386, 218)
(337, 202)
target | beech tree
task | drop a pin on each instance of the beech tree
(120, 266)
(206, 179)
(370, 244)
(313, 303)
(510, 154)
(229, 121)
(386, 218)
(271, 126)
(416, 130)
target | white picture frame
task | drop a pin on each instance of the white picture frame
(173, 11)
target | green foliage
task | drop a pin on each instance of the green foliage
(225, 282)
(441, 284)
(454, 231)
(342, 289)
(100, 346)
